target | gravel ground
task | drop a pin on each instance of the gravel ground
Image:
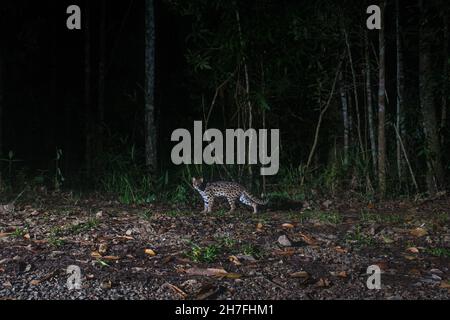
(161, 252)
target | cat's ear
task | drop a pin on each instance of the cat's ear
(201, 180)
(193, 179)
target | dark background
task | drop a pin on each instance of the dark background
(44, 78)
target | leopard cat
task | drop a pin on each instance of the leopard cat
(230, 190)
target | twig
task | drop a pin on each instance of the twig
(406, 158)
(319, 123)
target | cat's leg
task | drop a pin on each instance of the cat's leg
(232, 203)
(205, 207)
(245, 200)
(210, 204)
(205, 202)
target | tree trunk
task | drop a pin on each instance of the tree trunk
(355, 93)
(382, 112)
(344, 104)
(400, 93)
(372, 137)
(435, 170)
(150, 126)
(87, 91)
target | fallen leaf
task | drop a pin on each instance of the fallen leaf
(106, 285)
(96, 255)
(210, 272)
(383, 265)
(27, 236)
(103, 248)
(231, 276)
(323, 282)
(445, 285)
(309, 240)
(177, 290)
(35, 282)
(413, 250)
(111, 258)
(410, 258)
(287, 226)
(419, 232)
(4, 235)
(150, 252)
(340, 249)
(259, 227)
(234, 260)
(300, 274)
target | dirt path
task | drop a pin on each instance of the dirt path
(160, 252)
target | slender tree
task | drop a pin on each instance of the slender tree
(400, 91)
(382, 110)
(344, 104)
(150, 126)
(369, 97)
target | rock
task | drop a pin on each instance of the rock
(284, 241)
(246, 258)
(436, 278)
(327, 204)
(436, 271)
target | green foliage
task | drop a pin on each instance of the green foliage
(58, 178)
(439, 252)
(358, 238)
(321, 216)
(369, 217)
(252, 250)
(19, 233)
(206, 254)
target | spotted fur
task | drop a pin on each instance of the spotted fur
(230, 190)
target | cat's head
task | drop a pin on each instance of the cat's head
(197, 182)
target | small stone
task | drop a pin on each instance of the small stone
(436, 271)
(436, 278)
(284, 241)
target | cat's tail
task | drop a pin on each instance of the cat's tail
(256, 200)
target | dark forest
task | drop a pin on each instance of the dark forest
(88, 114)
